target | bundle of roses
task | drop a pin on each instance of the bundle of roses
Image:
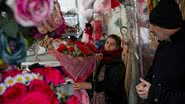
(20, 87)
(77, 49)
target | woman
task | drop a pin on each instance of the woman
(109, 76)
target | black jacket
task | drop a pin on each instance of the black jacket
(167, 73)
(113, 83)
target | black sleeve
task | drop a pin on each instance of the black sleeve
(113, 80)
(90, 91)
(149, 75)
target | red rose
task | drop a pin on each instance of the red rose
(84, 49)
(11, 73)
(14, 93)
(71, 49)
(35, 97)
(54, 76)
(92, 47)
(40, 85)
(61, 47)
(79, 43)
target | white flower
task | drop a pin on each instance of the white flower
(9, 81)
(2, 88)
(28, 77)
(20, 79)
(34, 76)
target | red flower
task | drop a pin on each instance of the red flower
(11, 73)
(61, 47)
(79, 43)
(40, 85)
(92, 47)
(35, 97)
(84, 49)
(54, 76)
(71, 49)
(38, 71)
(72, 100)
(14, 93)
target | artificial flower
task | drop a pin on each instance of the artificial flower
(2, 88)
(20, 79)
(14, 93)
(27, 77)
(11, 73)
(38, 71)
(31, 12)
(35, 97)
(40, 85)
(9, 81)
(54, 76)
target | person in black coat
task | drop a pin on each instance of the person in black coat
(113, 83)
(165, 81)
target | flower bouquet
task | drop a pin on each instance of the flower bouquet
(76, 58)
(78, 62)
(39, 86)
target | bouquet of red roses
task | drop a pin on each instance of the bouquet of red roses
(77, 49)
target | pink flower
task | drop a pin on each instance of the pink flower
(31, 12)
(54, 76)
(38, 71)
(11, 73)
(40, 85)
(14, 93)
(35, 97)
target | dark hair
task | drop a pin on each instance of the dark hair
(116, 38)
(88, 25)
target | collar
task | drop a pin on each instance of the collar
(180, 34)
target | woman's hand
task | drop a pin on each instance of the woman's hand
(82, 85)
(99, 56)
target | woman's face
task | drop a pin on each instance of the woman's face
(110, 44)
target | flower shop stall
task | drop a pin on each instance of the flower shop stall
(28, 29)
(48, 45)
